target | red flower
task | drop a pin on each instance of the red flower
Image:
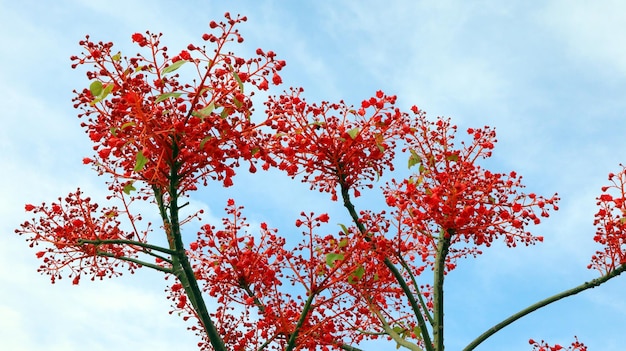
(610, 222)
(330, 144)
(144, 121)
(185, 55)
(451, 193)
(139, 39)
(64, 225)
(276, 79)
(544, 346)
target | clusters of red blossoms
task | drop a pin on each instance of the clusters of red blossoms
(450, 194)
(144, 122)
(333, 144)
(242, 272)
(544, 346)
(66, 224)
(610, 222)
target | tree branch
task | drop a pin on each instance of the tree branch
(405, 288)
(573, 291)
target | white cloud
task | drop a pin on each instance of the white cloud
(591, 32)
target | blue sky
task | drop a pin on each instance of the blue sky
(550, 76)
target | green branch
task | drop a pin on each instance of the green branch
(98, 242)
(417, 289)
(393, 269)
(137, 261)
(180, 261)
(395, 336)
(443, 245)
(580, 288)
(307, 306)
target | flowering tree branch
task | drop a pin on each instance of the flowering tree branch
(160, 138)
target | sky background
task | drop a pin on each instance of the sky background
(550, 76)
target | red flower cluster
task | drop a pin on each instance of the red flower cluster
(66, 225)
(544, 346)
(146, 124)
(610, 222)
(243, 272)
(333, 144)
(450, 195)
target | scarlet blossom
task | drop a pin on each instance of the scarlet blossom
(332, 145)
(544, 346)
(610, 222)
(72, 228)
(450, 196)
(146, 123)
(139, 39)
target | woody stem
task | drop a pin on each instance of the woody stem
(180, 261)
(392, 268)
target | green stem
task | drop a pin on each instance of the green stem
(443, 245)
(395, 336)
(137, 261)
(127, 242)
(349, 348)
(307, 306)
(417, 289)
(180, 261)
(392, 268)
(573, 291)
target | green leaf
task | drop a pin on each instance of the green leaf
(107, 90)
(453, 157)
(206, 138)
(128, 124)
(110, 214)
(128, 188)
(140, 162)
(418, 333)
(174, 66)
(117, 56)
(237, 102)
(343, 242)
(344, 228)
(414, 159)
(206, 111)
(359, 272)
(166, 96)
(354, 132)
(356, 275)
(103, 94)
(332, 257)
(224, 113)
(237, 79)
(113, 131)
(317, 124)
(96, 88)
